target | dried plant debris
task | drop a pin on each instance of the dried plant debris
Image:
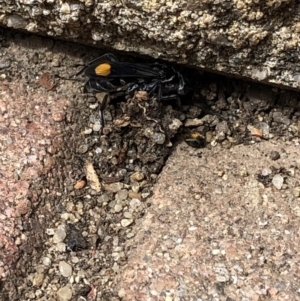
(46, 81)
(92, 177)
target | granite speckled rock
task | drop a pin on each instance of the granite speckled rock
(256, 39)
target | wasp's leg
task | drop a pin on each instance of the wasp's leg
(181, 86)
(90, 88)
(159, 91)
(157, 87)
(152, 87)
(169, 97)
(104, 100)
(169, 79)
(132, 88)
(95, 86)
(172, 97)
(116, 94)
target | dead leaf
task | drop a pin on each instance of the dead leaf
(256, 132)
(80, 184)
(46, 81)
(122, 122)
(92, 177)
(141, 95)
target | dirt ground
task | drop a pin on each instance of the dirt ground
(127, 210)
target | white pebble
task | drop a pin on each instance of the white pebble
(50, 231)
(118, 208)
(65, 9)
(61, 247)
(126, 222)
(64, 294)
(59, 235)
(46, 261)
(277, 181)
(65, 269)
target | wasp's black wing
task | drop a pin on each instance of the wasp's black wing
(112, 69)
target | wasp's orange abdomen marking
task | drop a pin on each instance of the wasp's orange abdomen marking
(103, 69)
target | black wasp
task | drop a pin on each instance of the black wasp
(107, 74)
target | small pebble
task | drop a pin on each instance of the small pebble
(50, 231)
(64, 294)
(87, 131)
(104, 198)
(93, 106)
(99, 150)
(148, 132)
(65, 269)
(277, 181)
(46, 261)
(114, 187)
(118, 208)
(128, 215)
(175, 125)
(122, 195)
(61, 247)
(65, 216)
(80, 184)
(274, 155)
(97, 126)
(221, 273)
(135, 186)
(81, 274)
(16, 22)
(65, 9)
(265, 128)
(59, 235)
(83, 148)
(130, 235)
(4, 63)
(193, 122)
(75, 259)
(38, 279)
(137, 176)
(115, 267)
(126, 222)
(216, 252)
(266, 171)
(134, 195)
(159, 138)
(122, 293)
(296, 191)
(134, 204)
(31, 295)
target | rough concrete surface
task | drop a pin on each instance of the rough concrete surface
(255, 39)
(214, 232)
(29, 132)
